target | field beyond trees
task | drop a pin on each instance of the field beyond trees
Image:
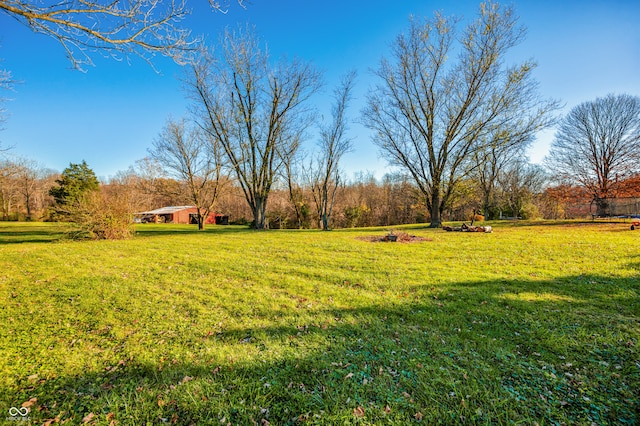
(535, 323)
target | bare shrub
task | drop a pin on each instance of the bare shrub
(102, 216)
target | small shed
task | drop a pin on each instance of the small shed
(179, 214)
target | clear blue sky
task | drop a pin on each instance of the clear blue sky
(110, 115)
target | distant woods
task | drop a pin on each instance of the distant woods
(521, 191)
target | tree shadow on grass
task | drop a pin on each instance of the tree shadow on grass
(31, 234)
(470, 352)
(635, 263)
(16, 234)
(568, 223)
(146, 231)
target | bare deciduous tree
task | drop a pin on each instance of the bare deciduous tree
(256, 109)
(28, 176)
(9, 192)
(157, 189)
(193, 157)
(116, 27)
(430, 115)
(489, 163)
(519, 182)
(334, 144)
(293, 171)
(24, 185)
(596, 146)
(504, 146)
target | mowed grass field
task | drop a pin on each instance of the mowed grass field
(534, 323)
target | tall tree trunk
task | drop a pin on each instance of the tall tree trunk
(295, 195)
(200, 218)
(259, 213)
(602, 207)
(325, 222)
(325, 207)
(436, 209)
(297, 208)
(489, 207)
(28, 205)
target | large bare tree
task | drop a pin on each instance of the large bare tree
(256, 109)
(443, 94)
(333, 144)
(194, 158)
(115, 27)
(596, 146)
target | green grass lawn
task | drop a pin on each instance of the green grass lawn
(535, 323)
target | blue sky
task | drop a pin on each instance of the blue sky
(110, 114)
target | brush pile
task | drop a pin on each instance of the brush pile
(468, 228)
(395, 237)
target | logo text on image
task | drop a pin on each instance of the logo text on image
(18, 413)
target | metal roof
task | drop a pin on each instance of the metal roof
(167, 210)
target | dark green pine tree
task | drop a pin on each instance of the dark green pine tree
(76, 181)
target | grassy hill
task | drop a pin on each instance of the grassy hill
(536, 322)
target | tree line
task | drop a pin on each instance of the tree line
(448, 113)
(31, 192)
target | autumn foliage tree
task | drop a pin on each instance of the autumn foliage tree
(24, 186)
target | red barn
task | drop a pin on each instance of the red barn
(179, 214)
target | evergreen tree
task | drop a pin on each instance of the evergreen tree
(75, 181)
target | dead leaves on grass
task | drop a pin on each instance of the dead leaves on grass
(360, 412)
(399, 237)
(88, 418)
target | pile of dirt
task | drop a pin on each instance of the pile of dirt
(396, 237)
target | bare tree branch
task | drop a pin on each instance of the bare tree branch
(6, 83)
(118, 28)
